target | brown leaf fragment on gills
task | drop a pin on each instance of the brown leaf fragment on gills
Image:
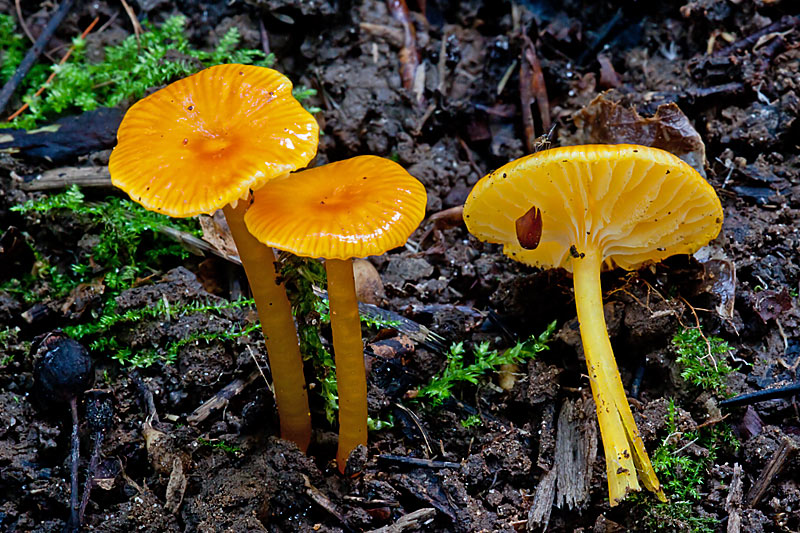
(529, 228)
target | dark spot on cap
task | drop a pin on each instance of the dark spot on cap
(190, 107)
(668, 171)
(241, 73)
(185, 141)
(529, 228)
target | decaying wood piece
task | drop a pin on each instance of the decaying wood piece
(733, 503)
(539, 513)
(576, 451)
(59, 178)
(773, 468)
(221, 398)
(786, 22)
(569, 479)
(416, 519)
(321, 500)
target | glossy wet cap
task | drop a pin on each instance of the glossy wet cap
(206, 140)
(635, 204)
(361, 206)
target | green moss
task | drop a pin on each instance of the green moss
(702, 359)
(485, 360)
(118, 254)
(684, 475)
(161, 55)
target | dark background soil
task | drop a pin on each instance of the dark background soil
(744, 105)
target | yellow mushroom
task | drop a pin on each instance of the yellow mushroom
(202, 144)
(358, 207)
(585, 208)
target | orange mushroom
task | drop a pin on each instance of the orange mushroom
(585, 208)
(203, 143)
(362, 206)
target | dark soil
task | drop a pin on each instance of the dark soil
(458, 124)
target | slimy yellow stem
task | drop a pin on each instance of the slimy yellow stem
(623, 446)
(348, 349)
(280, 333)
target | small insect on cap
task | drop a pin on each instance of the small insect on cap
(361, 206)
(635, 204)
(206, 140)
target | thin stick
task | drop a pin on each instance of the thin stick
(26, 29)
(87, 485)
(776, 463)
(409, 56)
(137, 28)
(52, 75)
(33, 53)
(74, 519)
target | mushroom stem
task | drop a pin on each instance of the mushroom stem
(351, 375)
(623, 446)
(280, 332)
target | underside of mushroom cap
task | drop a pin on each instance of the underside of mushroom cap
(358, 207)
(206, 140)
(634, 204)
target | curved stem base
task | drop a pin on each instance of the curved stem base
(280, 333)
(626, 457)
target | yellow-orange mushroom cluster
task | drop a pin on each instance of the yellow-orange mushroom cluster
(230, 137)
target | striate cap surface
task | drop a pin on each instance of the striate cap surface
(361, 206)
(635, 204)
(206, 140)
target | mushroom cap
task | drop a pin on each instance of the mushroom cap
(635, 204)
(206, 140)
(361, 206)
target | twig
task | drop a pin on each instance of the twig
(761, 396)
(393, 36)
(709, 352)
(75, 454)
(90, 473)
(414, 418)
(786, 22)
(532, 87)
(221, 398)
(601, 36)
(733, 503)
(52, 75)
(137, 28)
(415, 519)
(506, 76)
(418, 462)
(33, 53)
(262, 30)
(441, 66)
(64, 177)
(409, 56)
(320, 499)
(773, 468)
(27, 30)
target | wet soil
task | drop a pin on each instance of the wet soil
(461, 117)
